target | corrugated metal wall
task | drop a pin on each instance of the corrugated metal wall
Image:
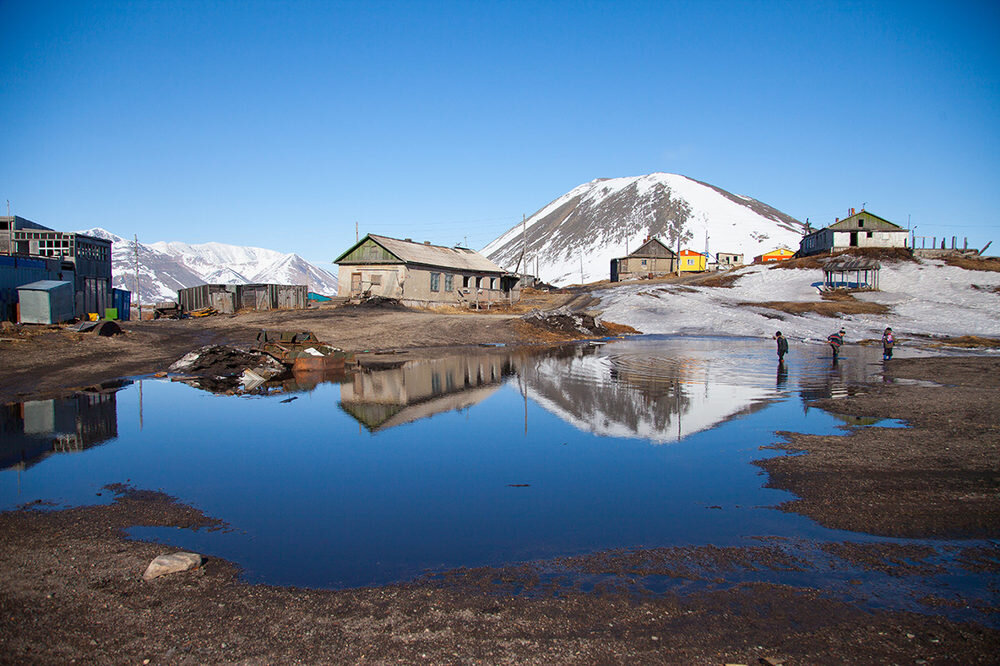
(227, 298)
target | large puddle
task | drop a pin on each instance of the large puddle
(487, 458)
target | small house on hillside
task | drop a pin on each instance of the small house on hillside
(777, 254)
(652, 259)
(862, 229)
(693, 262)
(728, 259)
(423, 274)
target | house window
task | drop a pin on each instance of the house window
(643, 262)
(690, 262)
(375, 278)
(870, 234)
(435, 282)
(449, 282)
(861, 222)
(493, 283)
(465, 281)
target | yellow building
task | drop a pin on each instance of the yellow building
(693, 261)
(780, 254)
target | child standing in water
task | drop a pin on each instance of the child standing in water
(887, 342)
(782, 346)
(836, 340)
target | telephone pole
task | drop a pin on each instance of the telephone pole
(138, 298)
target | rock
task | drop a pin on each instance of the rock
(171, 563)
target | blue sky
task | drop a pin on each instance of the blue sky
(280, 124)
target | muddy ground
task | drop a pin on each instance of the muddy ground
(39, 360)
(72, 589)
(938, 478)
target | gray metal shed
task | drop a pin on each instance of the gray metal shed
(47, 302)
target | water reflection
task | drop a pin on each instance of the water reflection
(31, 431)
(390, 397)
(660, 390)
(549, 456)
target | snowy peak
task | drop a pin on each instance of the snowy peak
(97, 232)
(165, 267)
(581, 231)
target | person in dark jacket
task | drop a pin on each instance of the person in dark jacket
(887, 342)
(782, 346)
(836, 340)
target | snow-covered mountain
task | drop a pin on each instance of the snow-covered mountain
(609, 217)
(166, 267)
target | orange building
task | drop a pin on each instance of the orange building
(780, 254)
(693, 261)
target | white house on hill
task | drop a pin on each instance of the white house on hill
(862, 229)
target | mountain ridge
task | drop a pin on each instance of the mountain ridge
(166, 266)
(574, 237)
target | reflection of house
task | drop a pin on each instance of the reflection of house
(693, 261)
(83, 260)
(861, 229)
(778, 254)
(652, 259)
(421, 273)
(385, 398)
(33, 430)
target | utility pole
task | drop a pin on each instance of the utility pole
(138, 298)
(678, 254)
(524, 251)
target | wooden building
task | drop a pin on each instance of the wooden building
(728, 259)
(652, 259)
(230, 298)
(423, 274)
(862, 229)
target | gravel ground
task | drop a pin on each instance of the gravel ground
(72, 589)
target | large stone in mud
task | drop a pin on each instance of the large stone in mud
(171, 563)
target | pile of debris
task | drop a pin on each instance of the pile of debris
(565, 321)
(378, 302)
(224, 369)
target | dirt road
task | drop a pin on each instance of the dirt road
(45, 361)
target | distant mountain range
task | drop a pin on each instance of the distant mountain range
(166, 267)
(584, 229)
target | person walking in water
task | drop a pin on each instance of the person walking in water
(782, 346)
(836, 340)
(887, 342)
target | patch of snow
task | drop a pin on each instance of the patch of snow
(926, 297)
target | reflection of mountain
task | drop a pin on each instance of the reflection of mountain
(617, 397)
(419, 389)
(31, 431)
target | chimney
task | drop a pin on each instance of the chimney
(852, 211)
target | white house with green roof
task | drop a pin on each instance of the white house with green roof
(862, 229)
